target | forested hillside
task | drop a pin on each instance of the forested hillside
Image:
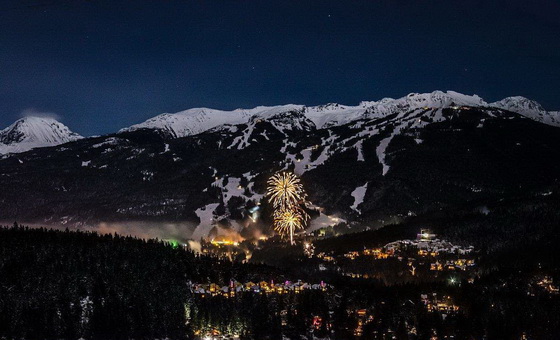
(73, 285)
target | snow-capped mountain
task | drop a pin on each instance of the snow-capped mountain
(34, 132)
(198, 120)
(194, 121)
(371, 164)
(528, 108)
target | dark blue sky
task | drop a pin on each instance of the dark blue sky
(106, 64)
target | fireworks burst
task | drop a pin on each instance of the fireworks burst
(287, 221)
(286, 194)
(285, 190)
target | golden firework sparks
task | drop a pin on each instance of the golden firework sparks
(287, 221)
(286, 194)
(285, 190)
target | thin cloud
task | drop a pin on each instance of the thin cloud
(32, 112)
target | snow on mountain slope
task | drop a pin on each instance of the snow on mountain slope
(324, 116)
(198, 120)
(336, 114)
(417, 101)
(389, 117)
(33, 132)
(439, 99)
(528, 108)
(358, 194)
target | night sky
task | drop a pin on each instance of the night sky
(104, 65)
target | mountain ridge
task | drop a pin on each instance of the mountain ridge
(33, 132)
(198, 120)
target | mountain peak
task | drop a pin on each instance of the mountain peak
(528, 108)
(32, 132)
(518, 104)
(442, 99)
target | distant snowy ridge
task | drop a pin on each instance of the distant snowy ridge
(34, 132)
(198, 120)
(528, 108)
